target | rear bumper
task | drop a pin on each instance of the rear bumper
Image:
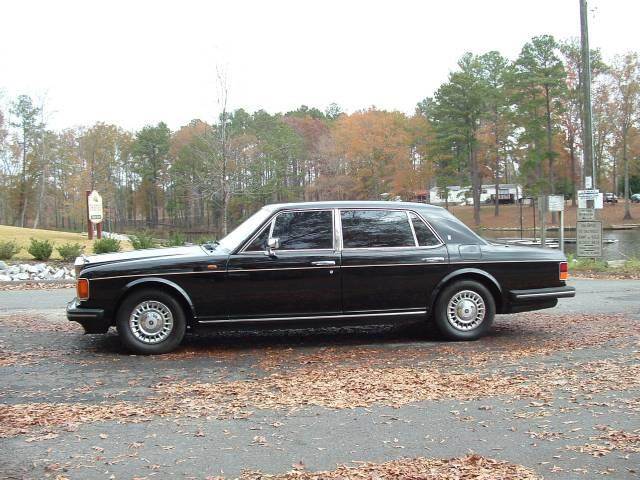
(537, 299)
(91, 319)
(542, 293)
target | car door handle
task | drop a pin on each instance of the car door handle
(324, 263)
(433, 259)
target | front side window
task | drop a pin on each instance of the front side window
(376, 228)
(259, 243)
(307, 230)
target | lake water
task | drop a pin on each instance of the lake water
(627, 246)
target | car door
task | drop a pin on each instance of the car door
(300, 278)
(391, 260)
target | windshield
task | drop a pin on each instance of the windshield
(246, 228)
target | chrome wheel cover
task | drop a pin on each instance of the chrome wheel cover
(151, 322)
(466, 310)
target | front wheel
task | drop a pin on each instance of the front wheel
(151, 322)
(464, 310)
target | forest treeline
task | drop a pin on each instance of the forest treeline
(494, 120)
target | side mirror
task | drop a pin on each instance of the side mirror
(272, 244)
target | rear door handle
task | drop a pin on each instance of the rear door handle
(433, 259)
(324, 263)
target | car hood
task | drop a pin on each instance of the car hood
(104, 258)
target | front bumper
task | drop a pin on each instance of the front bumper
(91, 319)
(538, 298)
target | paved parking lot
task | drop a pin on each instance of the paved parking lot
(555, 393)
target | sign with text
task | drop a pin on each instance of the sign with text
(94, 206)
(589, 239)
(591, 194)
(586, 214)
(556, 203)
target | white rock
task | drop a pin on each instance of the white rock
(59, 274)
(14, 269)
(24, 267)
(3, 266)
(5, 278)
(21, 276)
(41, 267)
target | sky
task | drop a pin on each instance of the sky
(139, 62)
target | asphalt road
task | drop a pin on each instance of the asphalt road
(556, 391)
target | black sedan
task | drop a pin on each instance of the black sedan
(314, 263)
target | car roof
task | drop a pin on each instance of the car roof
(354, 204)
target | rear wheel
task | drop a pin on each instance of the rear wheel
(151, 322)
(464, 310)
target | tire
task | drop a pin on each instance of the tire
(151, 322)
(464, 322)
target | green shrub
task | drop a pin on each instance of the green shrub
(8, 248)
(175, 240)
(106, 245)
(69, 251)
(202, 240)
(142, 240)
(40, 249)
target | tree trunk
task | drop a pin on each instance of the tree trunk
(572, 151)
(496, 170)
(552, 187)
(475, 185)
(625, 160)
(23, 186)
(43, 175)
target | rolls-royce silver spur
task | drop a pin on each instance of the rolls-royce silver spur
(314, 263)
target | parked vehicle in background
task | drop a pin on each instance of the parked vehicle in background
(635, 198)
(314, 263)
(610, 198)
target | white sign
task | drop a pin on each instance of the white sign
(588, 182)
(592, 194)
(586, 214)
(556, 203)
(589, 239)
(94, 205)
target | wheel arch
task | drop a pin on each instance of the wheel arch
(164, 285)
(481, 276)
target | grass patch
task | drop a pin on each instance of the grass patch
(22, 236)
(589, 265)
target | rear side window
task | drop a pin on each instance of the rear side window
(424, 235)
(376, 228)
(307, 230)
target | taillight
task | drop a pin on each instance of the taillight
(82, 288)
(564, 270)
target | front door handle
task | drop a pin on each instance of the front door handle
(433, 259)
(324, 263)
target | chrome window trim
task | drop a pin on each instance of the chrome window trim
(271, 221)
(413, 230)
(429, 247)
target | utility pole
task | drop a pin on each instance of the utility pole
(589, 161)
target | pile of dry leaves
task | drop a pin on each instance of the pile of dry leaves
(470, 467)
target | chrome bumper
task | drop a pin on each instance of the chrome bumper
(542, 294)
